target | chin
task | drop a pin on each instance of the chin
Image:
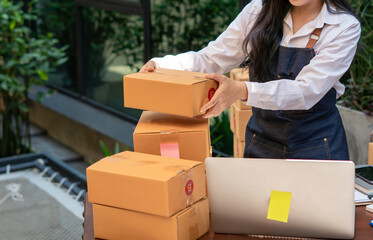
(298, 3)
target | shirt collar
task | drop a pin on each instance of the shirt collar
(324, 17)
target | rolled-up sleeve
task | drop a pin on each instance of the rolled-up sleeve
(314, 80)
(221, 55)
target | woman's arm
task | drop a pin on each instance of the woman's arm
(311, 84)
(314, 80)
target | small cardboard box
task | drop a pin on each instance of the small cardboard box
(240, 105)
(146, 183)
(115, 223)
(155, 131)
(370, 154)
(239, 120)
(168, 91)
(240, 74)
(238, 147)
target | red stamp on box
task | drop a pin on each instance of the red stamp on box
(189, 186)
(211, 93)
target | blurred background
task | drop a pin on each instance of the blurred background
(78, 99)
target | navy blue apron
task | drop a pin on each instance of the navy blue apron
(317, 133)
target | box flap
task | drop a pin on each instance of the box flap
(169, 75)
(155, 122)
(143, 165)
(194, 221)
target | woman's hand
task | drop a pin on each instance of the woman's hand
(228, 92)
(149, 66)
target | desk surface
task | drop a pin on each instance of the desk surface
(362, 229)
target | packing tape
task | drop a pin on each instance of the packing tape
(189, 186)
(169, 144)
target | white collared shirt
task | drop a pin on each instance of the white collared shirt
(335, 50)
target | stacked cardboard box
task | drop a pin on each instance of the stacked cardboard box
(158, 191)
(157, 133)
(143, 196)
(240, 114)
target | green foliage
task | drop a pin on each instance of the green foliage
(105, 150)
(177, 26)
(359, 84)
(25, 60)
(221, 134)
(180, 26)
(58, 17)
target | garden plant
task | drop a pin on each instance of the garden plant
(26, 59)
(359, 79)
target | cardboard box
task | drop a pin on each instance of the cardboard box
(146, 183)
(232, 118)
(240, 74)
(242, 106)
(168, 91)
(115, 223)
(155, 131)
(238, 147)
(370, 154)
(239, 120)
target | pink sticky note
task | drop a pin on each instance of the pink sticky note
(170, 150)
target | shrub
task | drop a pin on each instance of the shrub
(359, 81)
(25, 60)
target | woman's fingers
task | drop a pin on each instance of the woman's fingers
(214, 111)
(216, 77)
(148, 67)
(228, 92)
(210, 104)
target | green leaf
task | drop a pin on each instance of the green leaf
(116, 150)
(42, 75)
(39, 97)
(23, 107)
(104, 149)
(12, 25)
(62, 60)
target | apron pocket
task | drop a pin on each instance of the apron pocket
(318, 149)
(258, 147)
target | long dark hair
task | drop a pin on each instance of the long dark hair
(267, 32)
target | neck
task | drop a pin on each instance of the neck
(305, 13)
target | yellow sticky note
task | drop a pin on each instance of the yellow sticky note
(279, 205)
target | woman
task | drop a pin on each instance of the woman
(296, 51)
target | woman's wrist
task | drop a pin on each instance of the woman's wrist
(242, 91)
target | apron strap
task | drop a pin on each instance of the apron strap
(314, 37)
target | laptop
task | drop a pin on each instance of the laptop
(276, 197)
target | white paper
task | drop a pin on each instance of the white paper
(361, 197)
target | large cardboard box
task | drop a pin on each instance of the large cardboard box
(146, 183)
(242, 106)
(238, 147)
(168, 91)
(232, 118)
(239, 120)
(114, 223)
(155, 132)
(240, 74)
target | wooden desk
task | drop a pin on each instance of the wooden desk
(362, 229)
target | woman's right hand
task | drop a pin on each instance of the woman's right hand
(149, 66)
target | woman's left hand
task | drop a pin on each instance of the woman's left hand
(228, 92)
